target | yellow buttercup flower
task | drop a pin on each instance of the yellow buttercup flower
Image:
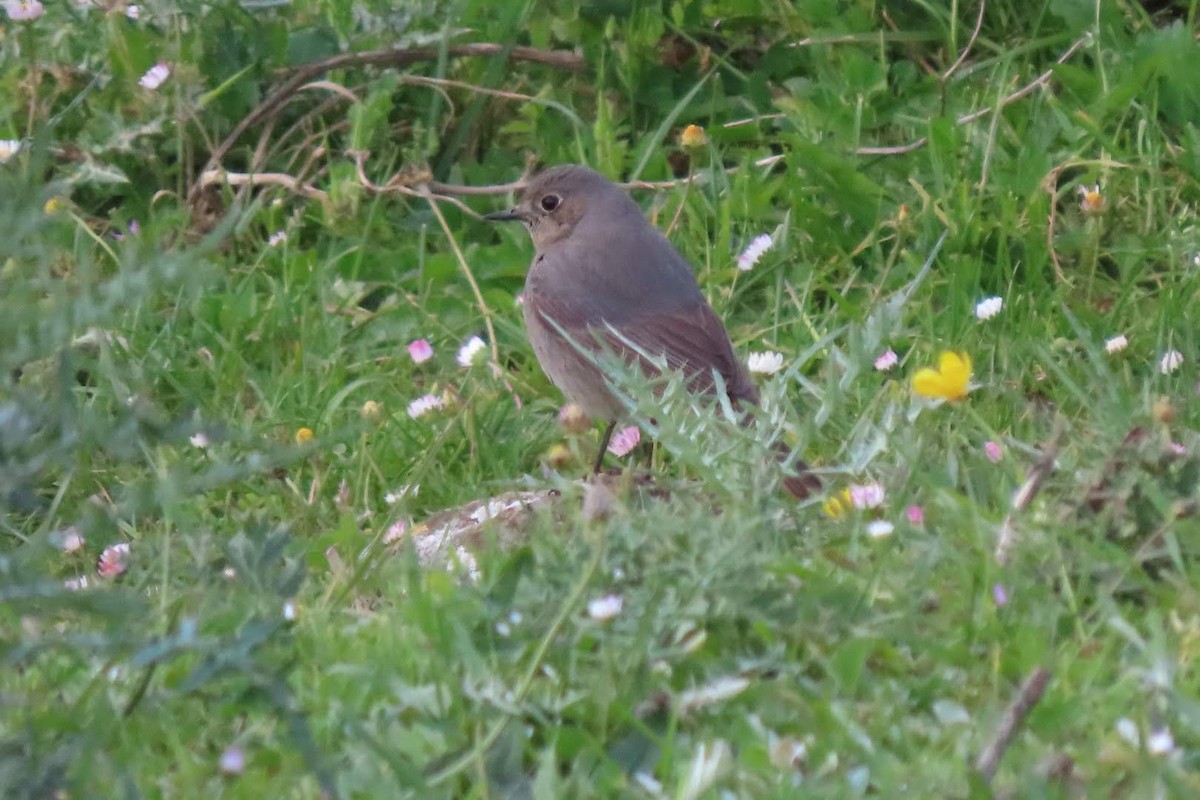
(950, 381)
(838, 505)
(54, 205)
(693, 136)
(304, 435)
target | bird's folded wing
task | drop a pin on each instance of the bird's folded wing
(691, 340)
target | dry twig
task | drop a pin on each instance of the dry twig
(302, 75)
(1030, 693)
(1024, 495)
(970, 43)
(444, 191)
(400, 183)
(1036, 83)
(216, 177)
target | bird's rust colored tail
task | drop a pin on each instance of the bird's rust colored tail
(800, 482)
(804, 484)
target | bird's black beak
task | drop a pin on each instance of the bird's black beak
(503, 216)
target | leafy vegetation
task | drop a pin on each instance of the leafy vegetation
(223, 224)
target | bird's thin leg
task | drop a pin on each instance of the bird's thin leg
(608, 432)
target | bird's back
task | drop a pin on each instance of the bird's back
(617, 270)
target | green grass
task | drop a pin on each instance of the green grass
(763, 648)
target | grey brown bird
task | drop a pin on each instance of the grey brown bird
(601, 267)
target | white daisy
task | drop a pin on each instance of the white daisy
(1160, 742)
(880, 528)
(605, 608)
(1171, 361)
(9, 148)
(988, 307)
(1127, 729)
(1116, 344)
(469, 352)
(765, 363)
(232, 761)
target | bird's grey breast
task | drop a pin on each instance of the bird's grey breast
(615, 271)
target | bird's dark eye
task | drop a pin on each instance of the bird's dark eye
(551, 202)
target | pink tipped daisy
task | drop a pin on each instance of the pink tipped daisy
(868, 495)
(420, 350)
(624, 440)
(887, 360)
(71, 540)
(114, 560)
(155, 77)
(424, 404)
(24, 10)
(754, 251)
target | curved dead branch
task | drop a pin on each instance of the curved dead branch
(302, 75)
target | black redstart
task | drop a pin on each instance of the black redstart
(602, 267)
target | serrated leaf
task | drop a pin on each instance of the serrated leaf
(94, 172)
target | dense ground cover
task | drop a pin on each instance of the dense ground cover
(216, 271)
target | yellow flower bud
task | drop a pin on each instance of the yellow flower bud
(572, 418)
(693, 136)
(557, 456)
(1091, 201)
(839, 505)
(1162, 410)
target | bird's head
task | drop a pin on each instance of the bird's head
(557, 200)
